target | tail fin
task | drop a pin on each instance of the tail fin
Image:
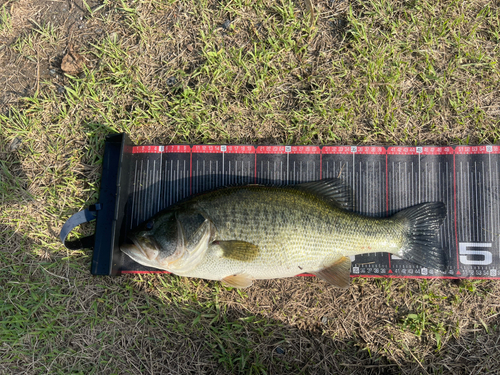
(422, 224)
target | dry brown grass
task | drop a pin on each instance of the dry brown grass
(380, 72)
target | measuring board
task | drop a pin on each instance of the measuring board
(384, 179)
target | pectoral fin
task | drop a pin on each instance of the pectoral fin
(238, 250)
(337, 274)
(241, 280)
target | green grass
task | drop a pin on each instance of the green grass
(373, 72)
(5, 19)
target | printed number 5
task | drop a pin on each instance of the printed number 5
(464, 252)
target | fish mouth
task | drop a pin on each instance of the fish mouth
(133, 248)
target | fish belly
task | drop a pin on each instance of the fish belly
(215, 267)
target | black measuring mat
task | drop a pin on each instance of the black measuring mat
(384, 181)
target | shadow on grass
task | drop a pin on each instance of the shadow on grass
(13, 181)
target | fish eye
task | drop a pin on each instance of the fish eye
(150, 224)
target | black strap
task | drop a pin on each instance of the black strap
(75, 220)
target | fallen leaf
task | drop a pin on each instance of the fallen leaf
(72, 63)
(15, 144)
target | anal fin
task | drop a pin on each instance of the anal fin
(241, 280)
(337, 274)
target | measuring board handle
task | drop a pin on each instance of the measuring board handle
(81, 217)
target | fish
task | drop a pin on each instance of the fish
(238, 234)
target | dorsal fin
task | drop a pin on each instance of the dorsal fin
(333, 190)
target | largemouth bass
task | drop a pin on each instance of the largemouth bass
(240, 234)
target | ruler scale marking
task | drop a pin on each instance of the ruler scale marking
(147, 202)
(476, 199)
(490, 199)
(133, 196)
